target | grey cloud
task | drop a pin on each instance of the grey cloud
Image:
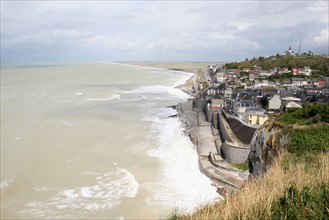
(182, 30)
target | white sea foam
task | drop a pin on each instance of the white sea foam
(108, 191)
(181, 185)
(112, 97)
(4, 184)
(67, 123)
(182, 78)
(159, 89)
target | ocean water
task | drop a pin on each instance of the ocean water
(94, 141)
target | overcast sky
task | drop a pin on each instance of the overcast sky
(160, 30)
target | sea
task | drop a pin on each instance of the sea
(94, 141)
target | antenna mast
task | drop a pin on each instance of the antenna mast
(299, 45)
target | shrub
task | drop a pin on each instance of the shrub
(312, 139)
(315, 112)
(307, 203)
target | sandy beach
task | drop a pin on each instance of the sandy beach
(186, 87)
(179, 66)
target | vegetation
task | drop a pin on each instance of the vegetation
(297, 185)
(311, 113)
(316, 62)
(283, 77)
(264, 102)
(305, 203)
(242, 166)
(265, 198)
(312, 139)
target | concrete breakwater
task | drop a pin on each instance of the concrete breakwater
(208, 143)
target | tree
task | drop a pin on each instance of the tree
(264, 102)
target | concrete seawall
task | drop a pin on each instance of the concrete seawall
(206, 138)
(233, 150)
(241, 130)
(235, 153)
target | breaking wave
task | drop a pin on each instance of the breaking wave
(108, 191)
(180, 185)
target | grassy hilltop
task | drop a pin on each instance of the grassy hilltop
(296, 187)
(316, 62)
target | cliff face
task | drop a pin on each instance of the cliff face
(264, 148)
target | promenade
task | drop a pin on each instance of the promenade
(207, 140)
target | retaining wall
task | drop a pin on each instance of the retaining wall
(234, 153)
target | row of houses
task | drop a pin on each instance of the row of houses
(245, 103)
(237, 75)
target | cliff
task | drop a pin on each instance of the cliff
(264, 148)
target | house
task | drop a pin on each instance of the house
(277, 70)
(267, 90)
(221, 77)
(217, 104)
(228, 93)
(255, 116)
(289, 52)
(307, 70)
(287, 100)
(264, 73)
(292, 105)
(251, 75)
(294, 71)
(240, 107)
(245, 70)
(298, 82)
(260, 83)
(322, 83)
(283, 92)
(244, 95)
(285, 70)
(217, 90)
(313, 94)
(274, 103)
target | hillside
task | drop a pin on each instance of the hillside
(316, 62)
(297, 184)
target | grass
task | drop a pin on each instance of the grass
(305, 203)
(310, 114)
(310, 139)
(242, 166)
(260, 198)
(296, 186)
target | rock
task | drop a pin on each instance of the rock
(264, 149)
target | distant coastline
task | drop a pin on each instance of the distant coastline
(176, 66)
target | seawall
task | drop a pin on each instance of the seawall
(208, 144)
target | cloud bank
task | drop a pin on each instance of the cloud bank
(159, 30)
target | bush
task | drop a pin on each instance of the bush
(313, 139)
(315, 112)
(306, 203)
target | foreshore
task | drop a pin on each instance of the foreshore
(208, 144)
(203, 135)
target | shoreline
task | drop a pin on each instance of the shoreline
(208, 143)
(190, 67)
(204, 136)
(187, 86)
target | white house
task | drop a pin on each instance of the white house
(274, 103)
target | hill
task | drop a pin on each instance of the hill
(316, 62)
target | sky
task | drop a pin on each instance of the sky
(160, 30)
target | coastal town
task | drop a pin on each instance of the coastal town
(229, 105)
